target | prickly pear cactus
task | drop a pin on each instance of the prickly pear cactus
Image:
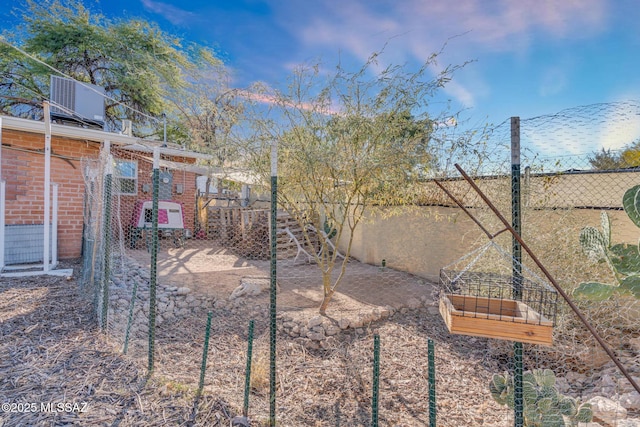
(544, 406)
(623, 259)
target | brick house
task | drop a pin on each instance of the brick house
(23, 165)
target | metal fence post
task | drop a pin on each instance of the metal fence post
(153, 279)
(517, 267)
(247, 374)
(272, 306)
(205, 352)
(432, 382)
(376, 381)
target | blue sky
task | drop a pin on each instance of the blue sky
(531, 57)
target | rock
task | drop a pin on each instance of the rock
(331, 330)
(625, 385)
(311, 344)
(183, 290)
(366, 318)
(630, 400)
(631, 422)
(575, 379)
(315, 321)
(607, 385)
(246, 289)
(607, 410)
(240, 422)
(316, 334)
(414, 303)
(328, 343)
(357, 323)
(289, 325)
(343, 323)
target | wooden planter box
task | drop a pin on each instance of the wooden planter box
(495, 318)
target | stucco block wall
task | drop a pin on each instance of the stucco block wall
(422, 240)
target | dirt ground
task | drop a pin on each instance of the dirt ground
(217, 271)
(51, 351)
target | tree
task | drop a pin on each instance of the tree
(206, 118)
(136, 63)
(605, 160)
(349, 142)
(629, 157)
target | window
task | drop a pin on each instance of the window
(126, 177)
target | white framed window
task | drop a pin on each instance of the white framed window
(126, 177)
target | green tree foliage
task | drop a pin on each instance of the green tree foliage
(607, 160)
(133, 60)
(349, 141)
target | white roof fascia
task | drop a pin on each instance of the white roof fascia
(127, 142)
(243, 177)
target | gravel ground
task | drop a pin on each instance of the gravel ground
(58, 369)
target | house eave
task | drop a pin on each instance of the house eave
(124, 141)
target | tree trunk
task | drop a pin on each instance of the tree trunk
(328, 292)
(325, 302)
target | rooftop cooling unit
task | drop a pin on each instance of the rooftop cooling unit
(80, 103)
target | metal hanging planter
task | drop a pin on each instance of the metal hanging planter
(520, 307)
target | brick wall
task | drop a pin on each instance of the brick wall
(145, 168)
(23, 172)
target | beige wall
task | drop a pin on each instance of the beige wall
(422, 240)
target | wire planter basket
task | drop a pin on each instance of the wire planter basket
(518, 307)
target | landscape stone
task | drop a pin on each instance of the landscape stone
(331, 330)
(607, 410)
(343, 323)
(315, 321)
(414, 303)
(630, 400)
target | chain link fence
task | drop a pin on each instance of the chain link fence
(203, 246)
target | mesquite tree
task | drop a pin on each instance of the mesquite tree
(349, 141)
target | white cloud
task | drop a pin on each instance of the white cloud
(171, 13)
(415, 28)
(621, 126)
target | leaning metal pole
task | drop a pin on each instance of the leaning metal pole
(542, 268)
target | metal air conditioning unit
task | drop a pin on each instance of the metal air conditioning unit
(78, 103)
